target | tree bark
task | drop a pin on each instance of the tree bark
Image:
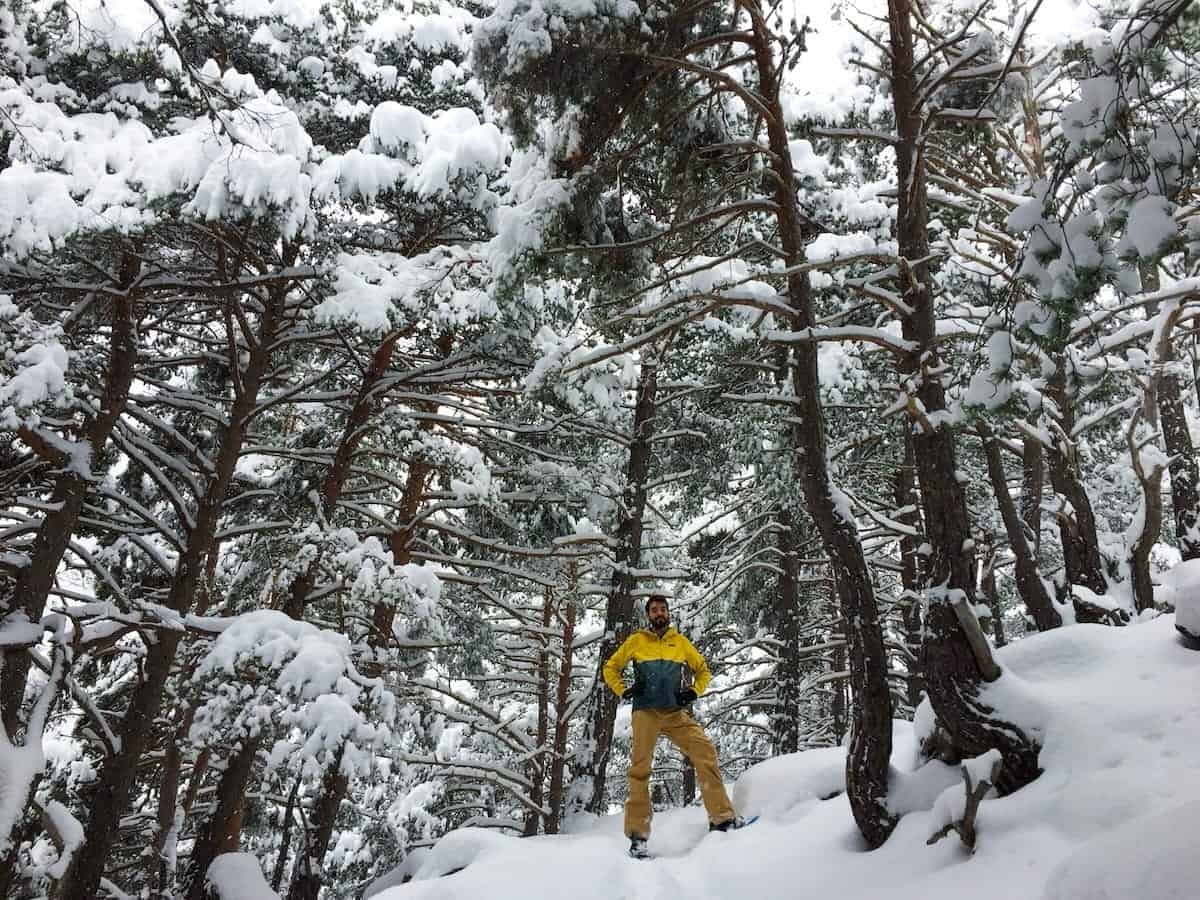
(952, 675)
(558, 759)
(307, 877)
(536, 767)
(1076, 521)
(910, 570)
(169, 812)
(306, 883)
(224, 831)
(1030, 584)
(339, 470)
(1033, 477)
(1152, 516)
(111, 793)
(1185, 482)
(987, 578)
(618, 618)
(1150, 478)
(1177, 438)
(285, 844)
(871, 732)
(837, 691)
(35, 581)
(787, 616)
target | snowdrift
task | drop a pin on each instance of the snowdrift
(1115, 814)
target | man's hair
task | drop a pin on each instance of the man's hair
(656, 598)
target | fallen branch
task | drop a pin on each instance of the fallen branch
(979, 776)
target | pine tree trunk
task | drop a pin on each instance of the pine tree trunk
(558, 759)
(1185, 482)
(837, 691)
(1076, 524)
(536, 767)
(619, 616)
(992, 595)
(1033, 477)
(910, 570)
(953, 676)
(224, 831)
(1177, 441)
(1150, 479)
(307, 879)
(169, 811)
(871, 707)
(196, 780)
(339, 470)
(35, 580)
(787, 673)
(110, 796)
(285, 844)
(871, 732)
(1030, 585)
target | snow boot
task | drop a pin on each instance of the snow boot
(637, 847)
(731, 824)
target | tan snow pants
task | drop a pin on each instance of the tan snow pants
(685, 733)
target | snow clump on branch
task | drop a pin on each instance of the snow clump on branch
(270, 672)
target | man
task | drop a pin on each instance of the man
(660, 706)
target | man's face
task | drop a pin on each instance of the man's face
(660, 615)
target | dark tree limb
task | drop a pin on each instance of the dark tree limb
(975, 792)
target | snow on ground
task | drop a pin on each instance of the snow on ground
(1114, 815)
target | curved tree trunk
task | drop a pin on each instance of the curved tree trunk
(1185, 482)
(952, 673)
(1149, 471)
(1163, 406)
(871, 729)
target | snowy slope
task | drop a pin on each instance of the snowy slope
(1115, 814)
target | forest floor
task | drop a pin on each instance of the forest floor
(1114, 816)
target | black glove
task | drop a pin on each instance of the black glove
(686, 697)
(632, 692)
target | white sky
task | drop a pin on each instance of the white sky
(825, 80)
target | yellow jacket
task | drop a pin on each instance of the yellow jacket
(657, 668)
